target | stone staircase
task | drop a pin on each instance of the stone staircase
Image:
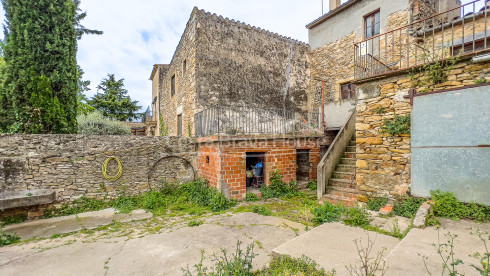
(341, 188)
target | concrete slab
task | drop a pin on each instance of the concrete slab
(164, 253)
(332, 245)
(404, 259)
(44, 228)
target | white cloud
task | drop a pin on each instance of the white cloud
(138, 34)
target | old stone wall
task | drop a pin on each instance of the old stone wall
(384, 162)
(71, 165)
(183, 68)
(238, 64)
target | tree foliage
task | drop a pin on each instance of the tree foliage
(82, 101)
(95, 123)
(113, 100)
(39, 86)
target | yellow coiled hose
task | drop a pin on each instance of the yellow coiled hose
(105, 172)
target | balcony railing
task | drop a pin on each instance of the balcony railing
(148, 116)
(248, 120)
(436, 37)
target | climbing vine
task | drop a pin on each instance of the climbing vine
(432, 72)
(163, 127)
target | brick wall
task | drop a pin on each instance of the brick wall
(227, 167)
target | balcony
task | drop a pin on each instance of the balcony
(148, 116)
(436, 37)
(239, 120)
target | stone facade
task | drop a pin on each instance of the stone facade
(384, 162)
(222, 62)
(71, 164)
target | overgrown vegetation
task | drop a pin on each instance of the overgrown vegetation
(7, 238)
(239, 263)
(252, 197)
(95, 123)
(432, 72)
(188, 196)
(396, 126)
(13, 219)
(356, 216)
(375, 203)
(446, 205)
(407, 206)
(261, 210)
(312, 185)
(278, 188)
(326, 213)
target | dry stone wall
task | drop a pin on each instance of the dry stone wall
(71, 165)
(383, 161)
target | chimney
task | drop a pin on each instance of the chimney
(334, 4)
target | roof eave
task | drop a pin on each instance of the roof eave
(331, 13)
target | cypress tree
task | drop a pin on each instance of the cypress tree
(39, 85)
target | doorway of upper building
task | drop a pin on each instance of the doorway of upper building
(303, 165)
(255, 170)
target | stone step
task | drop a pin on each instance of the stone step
(346, 183)
(344, 175)
(351, 149)
(349, 154)
(348, 161)
(345, 168)
(335, 199)
(343, 192)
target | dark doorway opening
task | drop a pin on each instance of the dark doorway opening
(303, 164)
(255, 166)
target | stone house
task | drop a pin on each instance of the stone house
(243, 92)
(389, 58)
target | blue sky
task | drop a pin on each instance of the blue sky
(138, 34)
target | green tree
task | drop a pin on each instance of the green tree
(114, 100)
(82, 100)
(38, 93)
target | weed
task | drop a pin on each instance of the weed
(398, 125)
(380, 110)
(407, 206)
(312, 185)
(483, 259)
(446, 252)
(278, 188)
(83, 204)
(252, 197)
(239, 263)
(14, 219)
(7, 238)
(369, 266)
(326, 213)
(446, 205)
(261, 210)
(481, 80)
(193, 223)
(375, 203)
(287, 265)
(356, 216)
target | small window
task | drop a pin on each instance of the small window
(371, 24)
(348, 91)
(184, 66)
(207, 159)
(179, 125)
(172, 85)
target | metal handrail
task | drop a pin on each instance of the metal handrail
(400, 47)
(237, 120)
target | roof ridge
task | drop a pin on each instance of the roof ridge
(245, 25)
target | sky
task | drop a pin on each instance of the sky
(138, 34)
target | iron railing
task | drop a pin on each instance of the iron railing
(148, 116)
(456, 32)
(237, 120)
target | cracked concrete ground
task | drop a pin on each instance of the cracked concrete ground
(175, 246)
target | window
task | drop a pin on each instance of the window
(207, 159)
(348, 91)
(371, 25)
(179, 125)
(172, 85)
(184, 66)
